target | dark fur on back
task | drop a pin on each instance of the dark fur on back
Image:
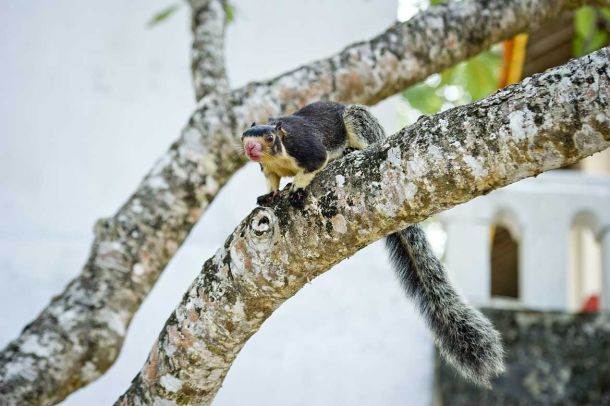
(304, 142)
(322, 119)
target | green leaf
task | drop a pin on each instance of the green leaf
(448, 76)
(229, 12)
(163, 15)
(598, 40)
(578, 44)
(424, 98)
(479, 75)
(588, 37)
(584, 21)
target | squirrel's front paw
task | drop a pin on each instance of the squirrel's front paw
(268, 199)
(348, 151)
(297, 198)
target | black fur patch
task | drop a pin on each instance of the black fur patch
(304, 143)
(258, 131)
(326, 119)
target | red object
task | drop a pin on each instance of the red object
(591, 305)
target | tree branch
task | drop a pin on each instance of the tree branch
(405, 54)
(78, 336)
(207, 52)
(548, 121)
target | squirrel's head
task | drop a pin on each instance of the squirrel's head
(261, 141)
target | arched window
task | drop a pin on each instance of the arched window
(585, 263)
(505, 256)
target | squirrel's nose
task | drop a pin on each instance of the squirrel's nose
(252, 146)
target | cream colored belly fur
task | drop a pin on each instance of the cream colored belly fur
(281, 165)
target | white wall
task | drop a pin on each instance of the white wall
(540, 213)
(90, 98)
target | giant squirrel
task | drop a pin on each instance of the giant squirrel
(301, 145)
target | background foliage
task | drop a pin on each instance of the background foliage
(479, 76)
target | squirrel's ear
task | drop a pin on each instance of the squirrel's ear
(253, 124)
(279, 130)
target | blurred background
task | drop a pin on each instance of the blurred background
(93, 93)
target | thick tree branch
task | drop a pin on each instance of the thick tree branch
(78, 336)
(545, 122)
(207, 52)
(405, 54)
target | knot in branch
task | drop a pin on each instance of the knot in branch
(263, 228)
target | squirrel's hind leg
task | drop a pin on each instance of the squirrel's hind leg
(362, 127)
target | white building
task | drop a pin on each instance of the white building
(560, 224)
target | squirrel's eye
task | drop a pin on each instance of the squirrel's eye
(269, 137)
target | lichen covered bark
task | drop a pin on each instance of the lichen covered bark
(546, 122)
(405, 54)
(78, 336)
(207, 52)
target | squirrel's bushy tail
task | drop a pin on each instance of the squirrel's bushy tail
(465, 338)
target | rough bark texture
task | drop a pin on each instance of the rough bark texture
(80, 333)
(553, 358)
(545, 122)
(405, 54)
(207, 52)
